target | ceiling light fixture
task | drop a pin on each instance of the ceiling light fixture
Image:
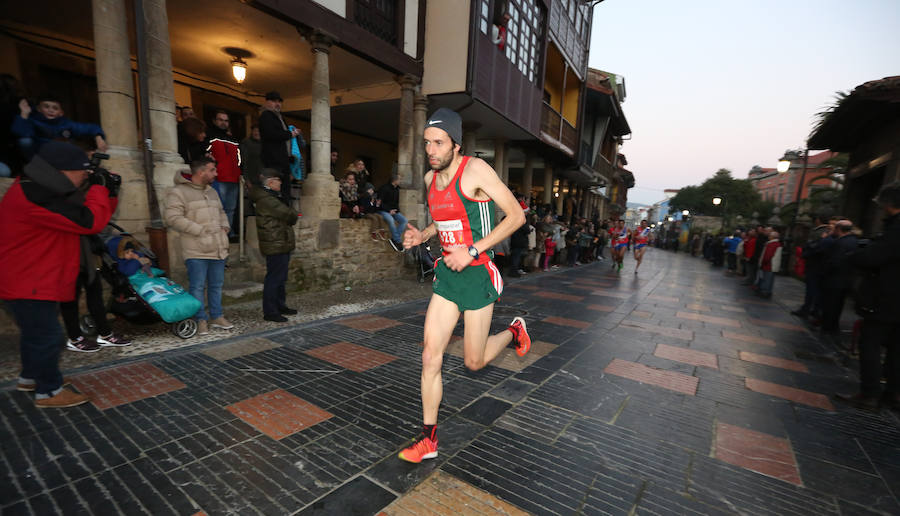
(238, 65)
(239, 69)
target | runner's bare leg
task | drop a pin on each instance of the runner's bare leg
(440, 319)
(480, 348)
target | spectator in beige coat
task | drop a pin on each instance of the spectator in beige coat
(194, 209)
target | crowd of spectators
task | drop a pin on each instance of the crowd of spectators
(547, 241)
(836, 265)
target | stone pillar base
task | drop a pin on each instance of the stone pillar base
(132, 213)
(163, 179)
(410, 206)
(320, 198)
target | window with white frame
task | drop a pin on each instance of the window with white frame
(522, 36)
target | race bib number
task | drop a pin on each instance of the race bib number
(450, 232)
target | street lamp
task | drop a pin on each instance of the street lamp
(717, 200)
(785, 163)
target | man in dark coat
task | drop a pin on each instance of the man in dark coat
(274, 224)
(389, 194)
(837, 274)
(813, 254)
(878, 301)
(276, 141)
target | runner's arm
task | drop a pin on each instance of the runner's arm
(487, 180)
(414, 236)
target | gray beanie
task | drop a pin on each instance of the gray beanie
(449, 121)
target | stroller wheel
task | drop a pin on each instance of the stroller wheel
(87, 325)
(185, 329)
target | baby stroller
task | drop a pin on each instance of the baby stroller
(143, 299)
(424, 261)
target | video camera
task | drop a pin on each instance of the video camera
(101, 176)
(96, 158)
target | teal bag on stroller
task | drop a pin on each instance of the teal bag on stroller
(166, 297)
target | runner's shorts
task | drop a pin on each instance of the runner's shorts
(474, 287)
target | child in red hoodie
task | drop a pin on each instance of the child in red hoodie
(549, 251)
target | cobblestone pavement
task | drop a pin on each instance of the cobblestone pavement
(669, 392)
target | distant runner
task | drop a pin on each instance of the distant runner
(618, 243)
(461, 196)
(641, 239)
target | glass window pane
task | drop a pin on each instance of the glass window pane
(484, 25)
(484, 8)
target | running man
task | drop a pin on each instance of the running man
(618, 238)
(462, 192)
(641, 239)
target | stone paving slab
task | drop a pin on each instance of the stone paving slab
(308, 419)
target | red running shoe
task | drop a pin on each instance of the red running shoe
(520, 334)
(424, 448)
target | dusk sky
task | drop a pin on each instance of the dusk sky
(726, 84)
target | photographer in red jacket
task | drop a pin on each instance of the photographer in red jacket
(43, 216)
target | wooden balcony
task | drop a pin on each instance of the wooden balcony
(557, 131)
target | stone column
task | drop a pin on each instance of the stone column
(559, 200)
(116, 96)
(320, 199)
(163, 125)
(528, 176)
(469, 139)
(548, 183)
(420, 115)
(409, 197)
(500, 164)
(406, 130)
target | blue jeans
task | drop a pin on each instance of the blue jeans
(228, 193)
(40, 343)
(208, 275)
(273, 286)
(766, 282)
(397, 223)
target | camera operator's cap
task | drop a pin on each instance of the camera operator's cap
(64, 156)
(449, 121)
(274, 95)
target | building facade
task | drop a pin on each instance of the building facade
(357, 76)
(783, 187)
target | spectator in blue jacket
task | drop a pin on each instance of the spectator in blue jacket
(731, 247)
(34, 129)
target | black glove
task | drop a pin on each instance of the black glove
(104, 177)
(114, 182)
(99, 176)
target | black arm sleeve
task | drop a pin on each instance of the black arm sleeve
(270, 128)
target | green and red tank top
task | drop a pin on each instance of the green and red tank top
(460, 221)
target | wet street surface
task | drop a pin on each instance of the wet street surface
(674, 391)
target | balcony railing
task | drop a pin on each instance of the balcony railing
(558, 128)
(569, 136)
(550, 121)
(378, 17)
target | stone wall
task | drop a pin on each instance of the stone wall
(332, 254)
(338, 253)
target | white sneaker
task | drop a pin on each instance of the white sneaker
(113, 340)
(221, 323)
